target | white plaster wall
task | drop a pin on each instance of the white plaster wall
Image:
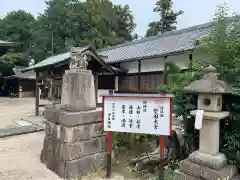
(132, 66)
(156, 64)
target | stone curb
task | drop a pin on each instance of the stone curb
(20, 130)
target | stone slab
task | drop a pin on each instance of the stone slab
(78, 91)
(71, 151)
(19, 130)
(82, 166)
(178, 175)
(236, 178)
(52, 129)
(209, 137)
(214, 116)
(51, 114)
(73, 134)
(80, 133)
(22, 123)
(198, 171)
(70, 119)
(215, 162)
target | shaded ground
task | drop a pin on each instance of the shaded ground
(20, 155)
(12, 110)
(20, 161)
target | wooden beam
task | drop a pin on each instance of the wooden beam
(190, 58)
(165, 80)
(139, 76)
(116, 83)
(96, 87)
(37, 96)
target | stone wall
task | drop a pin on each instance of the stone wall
(74, 143)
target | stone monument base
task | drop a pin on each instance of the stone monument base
(202, 166)
(74, 144)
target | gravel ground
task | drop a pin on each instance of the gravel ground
(13, 109)
(20, 160)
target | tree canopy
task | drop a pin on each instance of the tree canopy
(65, 23)
(168, 18)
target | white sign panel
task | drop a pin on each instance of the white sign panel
(199, 119)
(102, 91)
(149, 115)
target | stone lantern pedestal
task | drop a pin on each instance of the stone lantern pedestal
(74, 143)
(208, 163)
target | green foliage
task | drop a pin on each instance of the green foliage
(66, 23)
(177, 81)
(129, 140)
(17, 26)
(12, 58)
(222, 49)
(168, 18)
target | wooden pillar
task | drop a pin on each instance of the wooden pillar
(96, 87)
(190, 58)
(37, 95)
(165, 80)
(139, 75)
(116, 83)
(50, 89)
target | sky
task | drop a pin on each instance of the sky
(195, 11)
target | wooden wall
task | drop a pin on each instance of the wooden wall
(147, 82)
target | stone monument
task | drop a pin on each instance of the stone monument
(208, 163)
(74, 143)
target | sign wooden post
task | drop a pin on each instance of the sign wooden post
(137, 113)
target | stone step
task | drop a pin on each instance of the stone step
(236, 178)
(70, 151)
(178, 175)
(206, 173)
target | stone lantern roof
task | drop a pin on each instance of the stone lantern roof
(209, 83)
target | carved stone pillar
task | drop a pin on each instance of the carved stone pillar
(74, 143)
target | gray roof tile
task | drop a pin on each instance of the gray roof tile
(161, 45)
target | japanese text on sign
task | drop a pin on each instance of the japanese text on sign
(137, 115)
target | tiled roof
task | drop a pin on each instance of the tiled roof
(166, 44)
(6, 43)
(28, 75)
(64, 58)
(17, 73)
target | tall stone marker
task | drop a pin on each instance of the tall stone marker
(208, 163)
(74, 143)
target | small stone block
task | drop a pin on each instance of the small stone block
(67, 118)
(79, 167)
(51, 114)
(178, 175)
(49, 128)
(80, 133)
(52, 129)
(228, 172)
(215, 162)
(206, 173)
(190, 168)
(71, 151)
(236, 178)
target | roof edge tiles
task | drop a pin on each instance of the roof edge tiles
(61, 58)
(169, 43)
(200, 26)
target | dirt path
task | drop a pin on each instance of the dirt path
(19, 160)
(13, 109)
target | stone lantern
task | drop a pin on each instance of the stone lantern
(207, 162)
